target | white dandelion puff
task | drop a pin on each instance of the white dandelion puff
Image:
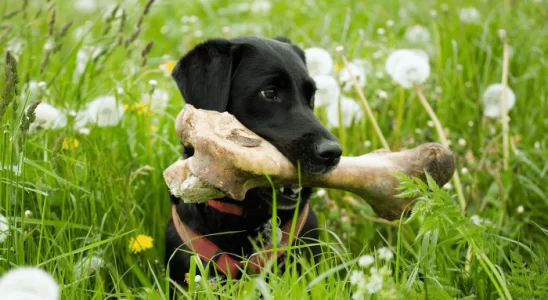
(104, 111)
(84, 55)
(318, 61)
(28, 283)
(350, 111)
(357, 70)
(158, 101)
(365, 261)
(469, 15)
(492, 98)
(260, 6)
(479, 221)
(448, 186)
(87, 266)
(4, 228)
(321, 193)
(48, 117)
(34, 91)
(197, 278)
(16, 46)
(28, 213)
(417, 34)
(356, 277)
(86, 6)
(381, 94)
(385, 253)
(374, 283)
(408, 67)
(461, 142)
(328, 91)
(381, 31)
(520, 209)
(390, 23)
(49, 45)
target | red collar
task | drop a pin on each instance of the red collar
(224, 263)
(227, 208)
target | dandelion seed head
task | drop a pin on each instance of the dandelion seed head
(365, 261)
(381, 31)
(417, 34)
(339, 49)
(367, 144)
(48, 117)
(448, 186)
(433, 13)
(470, 123)
(385, 253)
(28, 213)
(28, 283)
(520, 209)
(430, 123)
(197, 278)
(105, 111)
(408, 67)
(158, 101)
(350, 111)
(462, 142)
(4, 228)
(84, 131)
(536, 145)
(328, 90)
(319, 61)
(357, 277)
(469, 15)
(377, 54)
(464, 170)
(357, 71)
(261, 6)
(87, 266)
(502, 34)
(492, 98)
(389, 23)
(381, 94)
(374, 283)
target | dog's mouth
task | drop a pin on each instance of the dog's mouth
(287, 197)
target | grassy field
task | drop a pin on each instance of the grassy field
(74, 196)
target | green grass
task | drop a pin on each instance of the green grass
(91, 199)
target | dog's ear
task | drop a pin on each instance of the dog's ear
(295, 48)
(204, 74)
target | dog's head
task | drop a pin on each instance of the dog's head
(265, 84)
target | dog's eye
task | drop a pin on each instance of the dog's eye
(270, 94)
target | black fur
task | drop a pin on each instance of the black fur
(230, 75)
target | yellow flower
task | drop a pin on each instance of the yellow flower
(70, 143)
(337, 67)
(154, 127)
(140, 243)
(168, 67)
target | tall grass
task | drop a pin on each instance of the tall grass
(66, 201)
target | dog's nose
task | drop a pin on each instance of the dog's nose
(329, 151)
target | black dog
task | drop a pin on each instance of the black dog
(265, 84)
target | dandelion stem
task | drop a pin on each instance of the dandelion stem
(366, 105)
(444, 142)
(503, 108)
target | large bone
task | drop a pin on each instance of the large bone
(229, 160)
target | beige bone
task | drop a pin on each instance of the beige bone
(229, 160)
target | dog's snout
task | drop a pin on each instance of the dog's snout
(329, 151)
